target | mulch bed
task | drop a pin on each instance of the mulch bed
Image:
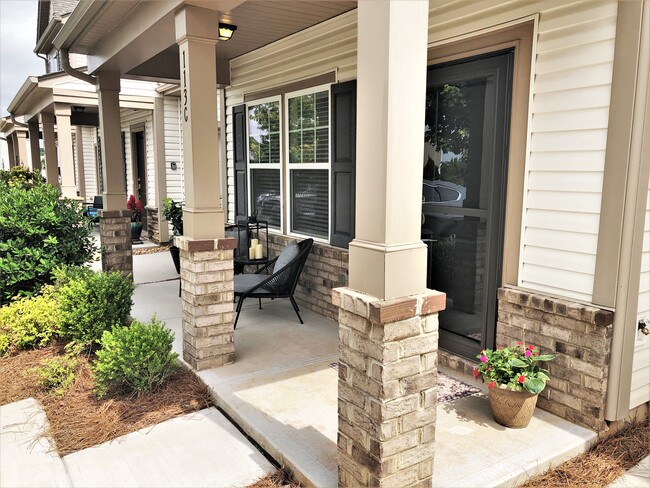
(150, 249)
(78, 419)
(603, 463)
(277, 479)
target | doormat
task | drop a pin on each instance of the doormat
(449, 389)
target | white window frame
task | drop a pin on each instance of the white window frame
(250, 166)
(288, 166)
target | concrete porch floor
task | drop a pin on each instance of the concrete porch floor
(282, 392)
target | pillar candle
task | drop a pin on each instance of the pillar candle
(254, 242)
(258, 252)
(251, 253)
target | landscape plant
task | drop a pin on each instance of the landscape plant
(28, 322)
(135, 207)
(173, 213)
(516, 368)
(57, 374)
(137, 358)
(39, 231)
(92, 303)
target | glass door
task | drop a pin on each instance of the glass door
(463, 194)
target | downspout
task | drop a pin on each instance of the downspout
(15, 122)
(80, 75)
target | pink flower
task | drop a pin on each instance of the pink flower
(491, 384)
(484, 359)
(528, 353)
(521, 378)
(475, 373)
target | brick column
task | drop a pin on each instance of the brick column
(115, 236)
(387, 388)
(207, 291)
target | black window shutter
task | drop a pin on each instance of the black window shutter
(344, 149)
(239, 135)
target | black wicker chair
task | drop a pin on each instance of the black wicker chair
(269, 282)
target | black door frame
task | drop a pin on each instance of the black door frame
(500, 65)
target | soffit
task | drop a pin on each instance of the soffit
(259, 22)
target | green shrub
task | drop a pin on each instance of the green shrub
(38, 232)
(22, 176)
(92, 303)
(138, 358)
(56, 374)
(30, 322)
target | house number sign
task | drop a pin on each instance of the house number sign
(185, 109)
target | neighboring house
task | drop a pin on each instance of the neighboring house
(45, 104)
(536, 171)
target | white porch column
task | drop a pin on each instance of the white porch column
(114, 219)
(207, 287)
(387, 257)
(34, 146)
(196, 35)
(81, 171)
(49, 141)
(388, 320)
(21, 147)
(66, 157)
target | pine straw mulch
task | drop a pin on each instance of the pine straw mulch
(603, 463)
(278, 479)
(78, 419)
(150, 249)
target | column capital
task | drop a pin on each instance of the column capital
(197, 24)
(108, 81)
(47, 118)
(62, 109)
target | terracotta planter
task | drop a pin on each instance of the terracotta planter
(512, 409)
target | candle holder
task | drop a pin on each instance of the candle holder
(253, 239)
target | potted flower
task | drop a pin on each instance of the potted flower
(515, 379)
(173, 213)
(136, 219)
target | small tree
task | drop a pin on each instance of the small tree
(39, 231)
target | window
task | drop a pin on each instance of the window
(265, 160)
(308, 166)
(303, 131)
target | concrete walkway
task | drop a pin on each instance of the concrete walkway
(637, 477)
(283, 392)
(201, 449)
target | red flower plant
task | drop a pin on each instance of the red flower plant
(521, 379)
(136, 209)
(491, 384)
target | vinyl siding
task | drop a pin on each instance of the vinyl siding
(89, 139)
(640, 392)
(173, 149)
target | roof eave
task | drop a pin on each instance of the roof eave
(79, 20)
(44, 44)
(27, 87)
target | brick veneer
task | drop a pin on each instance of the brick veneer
(153, 225)
(115, 238)
(207, 292)
(326, 268)
(579, 334)
(387, 388)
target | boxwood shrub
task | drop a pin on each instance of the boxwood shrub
(92, 303)
(135, 359)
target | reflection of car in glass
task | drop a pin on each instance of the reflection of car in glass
(436, 195)
(268, 204)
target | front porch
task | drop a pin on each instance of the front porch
(282, 391)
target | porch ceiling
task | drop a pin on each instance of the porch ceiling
(110, 34)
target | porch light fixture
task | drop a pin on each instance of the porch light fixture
(226, 31)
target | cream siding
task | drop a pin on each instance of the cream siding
(173, 149)
(89, 139)
(640, 392)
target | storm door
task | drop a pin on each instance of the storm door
(466, 134)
